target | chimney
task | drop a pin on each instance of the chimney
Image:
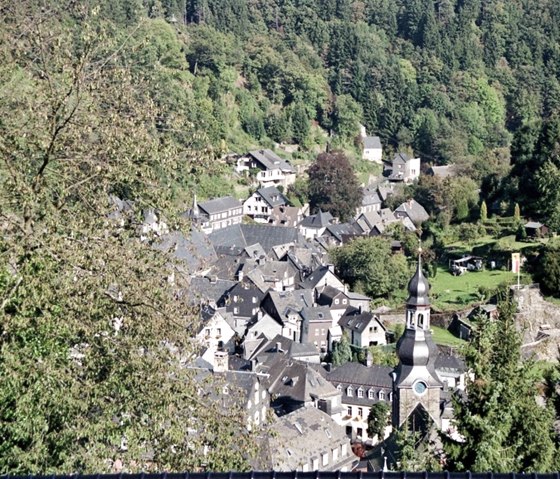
(279, 347)
(221, 361)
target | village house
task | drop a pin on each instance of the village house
(285, 307)
(262, 202)
(309, 440)
(287, 216)
(335, 299)
(445, 171)
(371, 201)
(243, 303)
(412, 210)
(239, 391)
(271, 169)
(316, 322)
(216, 214)
(404, 168)
(267, 275)
(321, 277)
(215, 332)
(363, 328)
(314, 225)
(361, 386)
(373, 150)
(340, 233)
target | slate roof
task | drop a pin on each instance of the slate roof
(357, 374)
(320, 220)
(328, 295)
(372, 142)
(370, 196)
(272, 196)
(317, 314)
(240, 383)
(195, 250)
(296, 381)
(219, 205)
(205, 289)
(255, 251)
(401, 158)
(315, 277)
(448, 362)
(387, 216)
(414, 210)
(371, 218)
(304, 435)
(271, 161)
(357, 296)
(241, 236)
(355, 320)
(442, 171)
(280, 303)
(376, 378)
(268, 353)
(342, 231)
(385, 191)
(248, 300)
(287, 216)
(265, 276)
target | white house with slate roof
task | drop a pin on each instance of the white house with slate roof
(363, 328)
(216, 214)
(361, 386)
(373, 151)
(272, 170)
(405, 168)
(262, 202)
(315, 225)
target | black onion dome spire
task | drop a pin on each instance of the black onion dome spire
(418, 288)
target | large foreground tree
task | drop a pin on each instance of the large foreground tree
(504, 427)
(93, 335)
(333, 185)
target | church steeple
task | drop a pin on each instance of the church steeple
(415, 380)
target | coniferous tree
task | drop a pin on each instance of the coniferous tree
(499, 416)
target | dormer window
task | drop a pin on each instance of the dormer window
(371, 394)
(350, 391)
(360, 393)
(381, 395)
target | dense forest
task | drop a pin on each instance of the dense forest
(140, 100)
(473, 82)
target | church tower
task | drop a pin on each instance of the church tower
(416, 386)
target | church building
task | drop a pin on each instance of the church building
(417, 389)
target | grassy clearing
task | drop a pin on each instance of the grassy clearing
(488, 243)
(444, 338)
(450, 292)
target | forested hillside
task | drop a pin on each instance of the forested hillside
(140, 100)
(473, 82)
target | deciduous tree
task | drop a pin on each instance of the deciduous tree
(333, 185)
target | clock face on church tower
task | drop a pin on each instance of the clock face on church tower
(420, 387)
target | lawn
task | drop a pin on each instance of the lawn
(450, 292)
(444, 338)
